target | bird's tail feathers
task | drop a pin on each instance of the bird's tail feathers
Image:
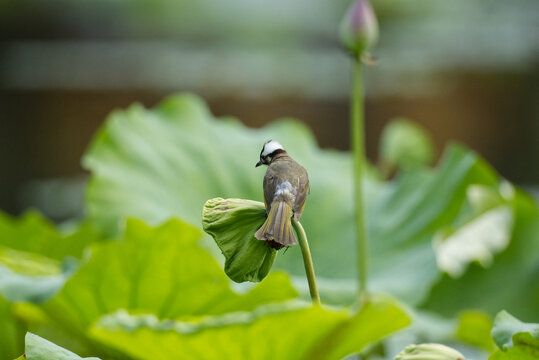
(277, 229)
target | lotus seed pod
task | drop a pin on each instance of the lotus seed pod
(232, 223)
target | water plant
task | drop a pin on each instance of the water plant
(138, 278)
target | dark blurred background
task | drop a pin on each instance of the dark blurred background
(467, 70)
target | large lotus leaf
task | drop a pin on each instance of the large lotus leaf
(271, 332)
(32, 233)
(159, 270)
(165, 162)
(38, 348)
(232, 223)
(512, 280)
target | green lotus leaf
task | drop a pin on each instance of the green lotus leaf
(35, 258)
(38, 348)
(32, 233)
(232, 223)
(282, 331)
(506, 325)
(481, 235)
(516, 268)
(525, 347)
(409, 212)
(429, 352)
(516, 340)
(31, 277)
(161, 270)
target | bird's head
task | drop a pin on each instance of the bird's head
(269, 150)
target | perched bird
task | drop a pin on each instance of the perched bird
(286, 186)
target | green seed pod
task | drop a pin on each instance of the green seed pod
(359, 28)
(232, 223)
(429, 352)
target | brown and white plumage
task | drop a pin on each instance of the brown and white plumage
(286, 185)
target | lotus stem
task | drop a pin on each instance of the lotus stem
(358, 147)
(307, 261)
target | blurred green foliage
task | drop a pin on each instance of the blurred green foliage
(404, 145)
(157, 283)
(474, 328)
(12, 333)
(35, 258)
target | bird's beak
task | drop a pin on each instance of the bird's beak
(258, 163)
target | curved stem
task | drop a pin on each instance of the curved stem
(358, 146)
(307, 261)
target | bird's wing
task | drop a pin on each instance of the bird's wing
(270, 183)
(302, 192)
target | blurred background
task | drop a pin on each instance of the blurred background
(467, 70)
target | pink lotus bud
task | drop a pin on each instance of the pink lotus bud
(359, 28)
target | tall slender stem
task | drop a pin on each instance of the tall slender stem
(307, 261)
(358, 146)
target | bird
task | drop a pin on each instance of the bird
(286, 186)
